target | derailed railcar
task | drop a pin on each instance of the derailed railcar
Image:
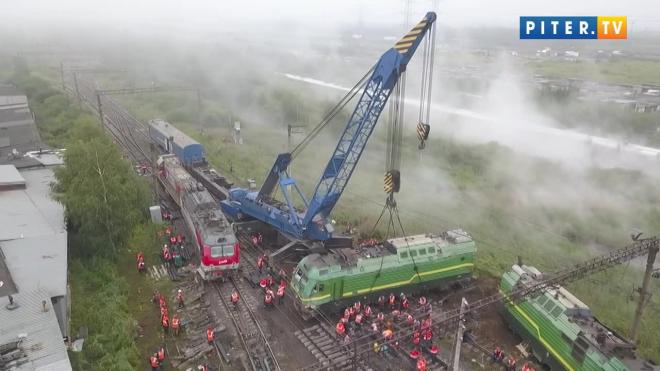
(215, 240)
(562, 331)
(411, 264)
(172, 140)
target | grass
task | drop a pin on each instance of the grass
(626, 71)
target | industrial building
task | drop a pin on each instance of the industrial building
(34, 298)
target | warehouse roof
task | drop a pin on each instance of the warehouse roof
(10, 177)
(34, 240)
(32, 332)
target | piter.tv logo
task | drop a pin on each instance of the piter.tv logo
(596, 27)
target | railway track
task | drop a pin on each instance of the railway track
(318, 337)
(128, 132)
(252, 336)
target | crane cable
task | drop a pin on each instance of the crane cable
(332, 113)
(423, 126)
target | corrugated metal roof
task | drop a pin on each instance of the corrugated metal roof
(42, 345)
(9, 176)
(34, 241)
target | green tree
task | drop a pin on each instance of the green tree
(103, 197)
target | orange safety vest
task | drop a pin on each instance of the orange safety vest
(234, 297)
(161, 354)
(421, 364)
(179, 297)
(210, 335)
(340, 328)
(268, 298)
(153, 361)
(166, 322)
(392, 299)
(280, 291)
(175, 323)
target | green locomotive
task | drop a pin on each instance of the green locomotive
(410, 264)
(562, 331)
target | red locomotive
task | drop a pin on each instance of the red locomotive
(219, 249)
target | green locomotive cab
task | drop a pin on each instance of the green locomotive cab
(561, 330)
(413, 263)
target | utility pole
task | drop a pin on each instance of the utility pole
(456, 356)
(62, 75)
(99, 108)
(644, 292)
(75, 83)
(293, 129)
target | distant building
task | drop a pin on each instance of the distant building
(34, 296)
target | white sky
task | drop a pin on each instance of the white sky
(498, 13)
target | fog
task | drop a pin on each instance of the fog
(257, 63)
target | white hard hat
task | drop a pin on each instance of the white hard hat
(180, 290)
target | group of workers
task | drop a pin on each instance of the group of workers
(172, 240)
(268, 282)
(157, 359)
(175, 324)
(359, 319)
(508, 362)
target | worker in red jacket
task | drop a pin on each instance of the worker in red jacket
(210, 335)
(153, 362)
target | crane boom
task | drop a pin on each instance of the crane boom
(311, 223)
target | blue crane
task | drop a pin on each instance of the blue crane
(311, 222)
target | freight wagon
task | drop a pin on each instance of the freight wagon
(172, 140)
(562, 331)
(410, 264)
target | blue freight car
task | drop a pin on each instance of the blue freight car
(172, 140)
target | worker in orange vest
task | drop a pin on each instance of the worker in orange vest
(165, 322)
(234, 297)
(268, 297)
(280, 294)
(179, 298)
(210, 335)
(161, 355)
(261, 261)
(168, 230)
(421, 364)
(153, 362)
(511, 364)
(176, 323)
(203, 367)
(166, 254)
(392, 300)
(341, 329)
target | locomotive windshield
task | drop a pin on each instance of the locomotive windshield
(222, 250)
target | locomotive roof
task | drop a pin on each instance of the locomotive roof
(396, 249)
(569, 314)
(179, 137)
